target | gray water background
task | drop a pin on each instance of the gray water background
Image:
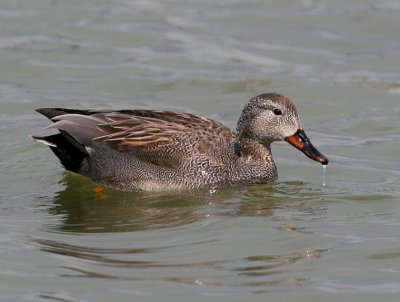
(293, 240)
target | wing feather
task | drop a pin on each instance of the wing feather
(162, 138)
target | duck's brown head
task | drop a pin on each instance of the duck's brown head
(273, 117)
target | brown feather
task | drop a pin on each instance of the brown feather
(150, 134)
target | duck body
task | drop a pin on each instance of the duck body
(148, 150)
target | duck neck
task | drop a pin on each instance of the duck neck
(253, 151)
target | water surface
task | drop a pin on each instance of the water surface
(296, 239)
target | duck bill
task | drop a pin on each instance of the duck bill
(300, 141)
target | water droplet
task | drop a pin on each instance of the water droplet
(213, 190)
(323, 175)
(198, 282)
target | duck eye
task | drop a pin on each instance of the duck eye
(277, 112)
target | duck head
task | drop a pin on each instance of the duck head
(273, 117)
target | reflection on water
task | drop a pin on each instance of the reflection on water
(87, 208)
(266, 270)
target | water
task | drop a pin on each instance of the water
(296, 239)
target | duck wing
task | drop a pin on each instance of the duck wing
(166, 138)
(162, 138)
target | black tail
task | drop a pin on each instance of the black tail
(70, 156)
(52, 112)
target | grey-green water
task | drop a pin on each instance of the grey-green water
(294, 240)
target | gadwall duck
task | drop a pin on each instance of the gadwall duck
(148, 150)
